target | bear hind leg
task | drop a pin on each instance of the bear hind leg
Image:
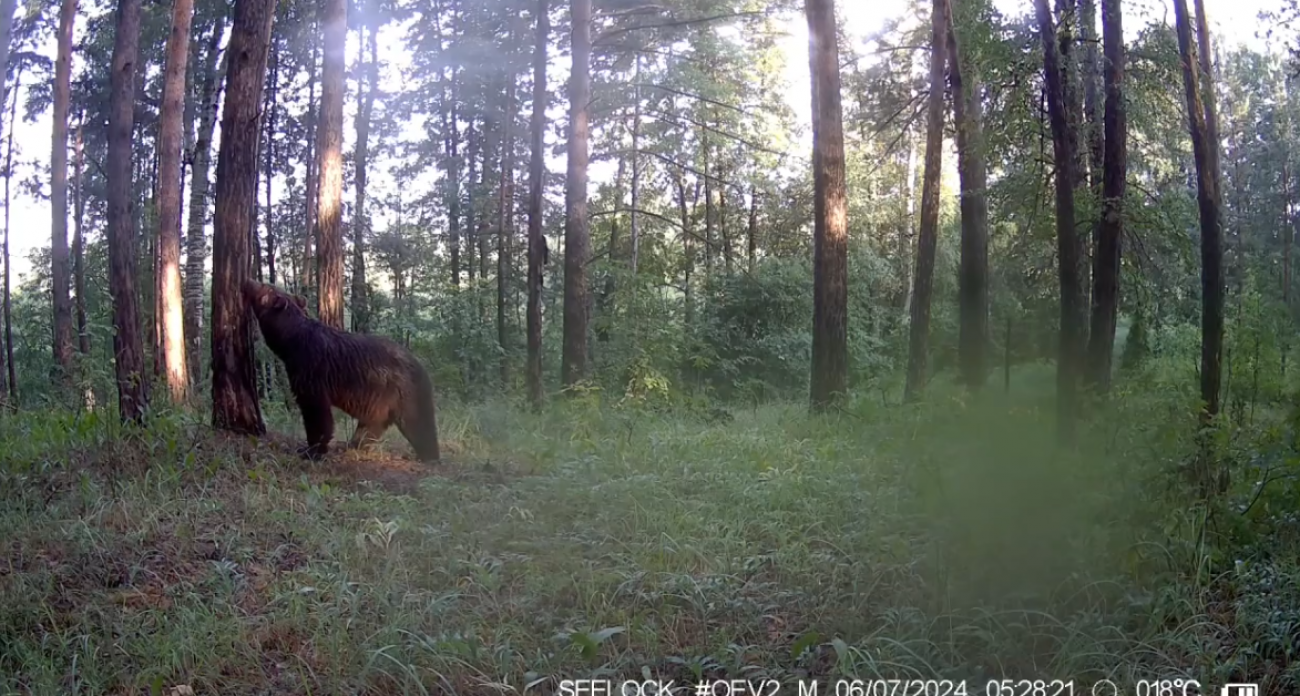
(367, 433)
(318, 422)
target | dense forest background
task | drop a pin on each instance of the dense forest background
(1034, 277)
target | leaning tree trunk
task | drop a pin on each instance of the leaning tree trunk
(169, 200)
(196, 242)
(923, 279)
(234, 380)
(577, 238)
(1205, 153)
(329, 142)
(1106, 264)
(1067, 240)
(972, 169)
(830, 212)
(128, 350)
(360, 219)
(536, 183)
(59, 192)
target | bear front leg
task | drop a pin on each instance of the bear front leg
(318, 422)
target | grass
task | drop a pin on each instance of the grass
(948, 540)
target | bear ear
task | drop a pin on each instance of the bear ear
(301, 302)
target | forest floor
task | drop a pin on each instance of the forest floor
(950, 541)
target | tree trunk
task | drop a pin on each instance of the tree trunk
(360, 219)
(451, 145)
(312, 185)
(707, 153)
(752, 229)
(1092, 73)
(577, 240)
(472, 184)
(234, 382)
(169, 200)
(972, 169)
(1106, 276)
(128, 351)
(505, 221)
(12, 390)
(830, 213)
(1208, 199)
(688, 250)
(329, 142)
(7, 10)
(59, 193)
(1067, 241)
(923, 280)
(79, 239)
(196, 243)
(1287, 235)
(272, 87)
(536, 183)
(483, 232)
(907, 231)
(634, 222)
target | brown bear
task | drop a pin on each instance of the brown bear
(370, 378)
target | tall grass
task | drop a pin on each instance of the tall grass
(950, 539)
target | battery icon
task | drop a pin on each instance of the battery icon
(1239, 690)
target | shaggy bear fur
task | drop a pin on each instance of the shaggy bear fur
(372, 379)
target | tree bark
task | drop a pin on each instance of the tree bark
(1208, 199)
(312, 185)
(234, 382)
(472, 186)
(128, 350)
(12, 381)
(1206, 50)
(79, 239)
(505, 221)
(1067, 240)
(752, 229)
(830, 231)
(329, 141)
(577, 238)
(972, 169)
(536, 184)
(923, 279)
(1287, 237)
(7, 10)
(360, 219)
(1106, 263)
(483, 232)
(196, 243)
(634, 228)
(62, 93)
(1092, 73)
(169, 200)
(451, 146)
(272, 88)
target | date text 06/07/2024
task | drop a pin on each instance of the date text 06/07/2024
(838, 687)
